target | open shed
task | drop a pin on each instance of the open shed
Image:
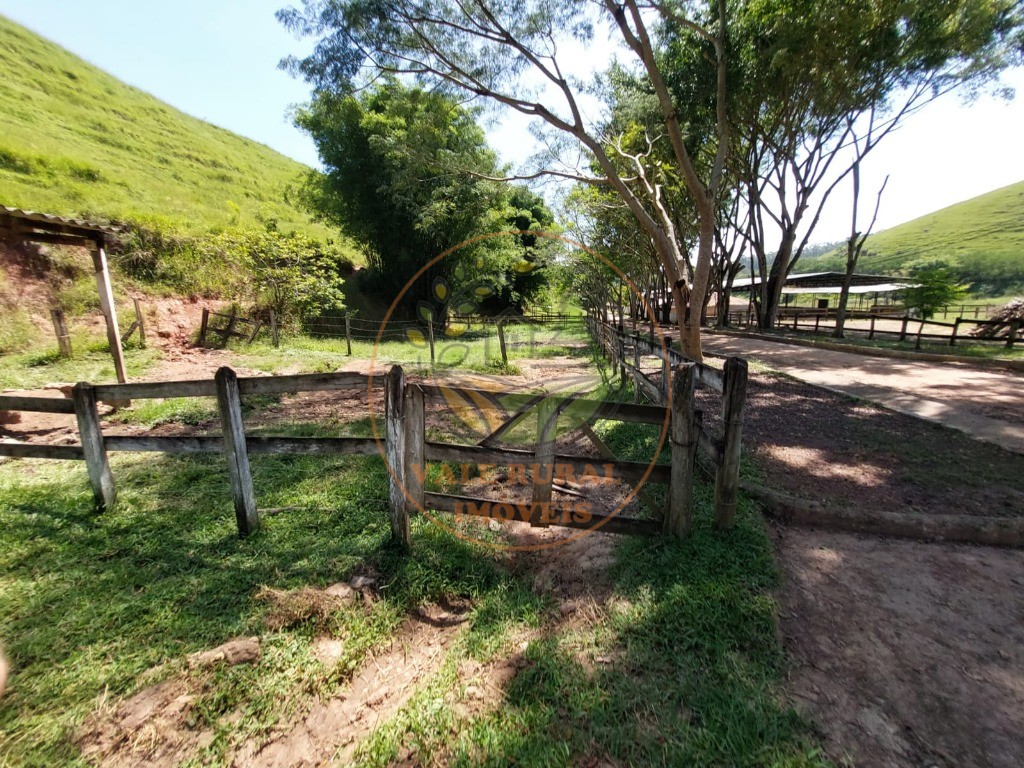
(831, 282)
(29, 226)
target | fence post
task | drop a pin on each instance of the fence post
(903, 329)
(430, 337)
(684, 434)
(871, 333)
(88, 417)
(394, 417)
(666, 375)
(727, 479)
(229, 402)
(636, 370)
(1011, 336)
(273, 329)
(60, 327)
(956, 328)
(920, 331)
(348, 335)
(203, 326)
(142, 323)
(415, 447)
(544, 460)
(501, 342)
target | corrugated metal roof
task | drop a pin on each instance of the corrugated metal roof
(49, 221)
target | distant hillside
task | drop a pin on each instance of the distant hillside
(982, 238)
(75, 140)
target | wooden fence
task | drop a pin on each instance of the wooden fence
(231, 325)
(910, 329)
(234, 443)
(407, 450)
(721, 447)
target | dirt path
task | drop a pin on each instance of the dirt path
(906, 653)
(986, 404)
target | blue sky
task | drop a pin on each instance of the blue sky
(217, 60)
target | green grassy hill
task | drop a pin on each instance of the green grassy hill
(982, 238)
(75, 140)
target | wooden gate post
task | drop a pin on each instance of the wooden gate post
(544, 461)
(395, 450)
(956, 328)
(60, 327)
(636, 370)
(684, 434)
(1011, 335)
(727, 479)
(230, 403)
(430, 338)
(88, 417)
(348, 334)
(415, 447)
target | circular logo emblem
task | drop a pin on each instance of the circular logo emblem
(510, 403)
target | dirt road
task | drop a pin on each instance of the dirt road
(986, 404)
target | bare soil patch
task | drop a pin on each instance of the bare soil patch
(820, 445)
(906, 653)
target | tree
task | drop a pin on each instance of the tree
(296, 277)
(394, 179)
(935, 288)
(492, 49)
(854, 247)
(815, 75)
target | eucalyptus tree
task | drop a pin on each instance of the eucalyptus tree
(514, 53)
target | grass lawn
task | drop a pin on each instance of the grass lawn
(91, 362)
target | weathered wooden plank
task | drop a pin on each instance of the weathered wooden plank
(510, 401)
(302, 382)
(564, 515)
(304, 446)
(156, 389)
(36, 404)
(727, 479)
(394, 416)
(99, 260)
(569, 467)
(145, 444)
(254, 385)
(94, 451)
(229, 402)
(36, 451)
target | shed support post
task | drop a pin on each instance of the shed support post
(99, 261)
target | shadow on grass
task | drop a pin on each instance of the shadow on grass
(89, 602)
